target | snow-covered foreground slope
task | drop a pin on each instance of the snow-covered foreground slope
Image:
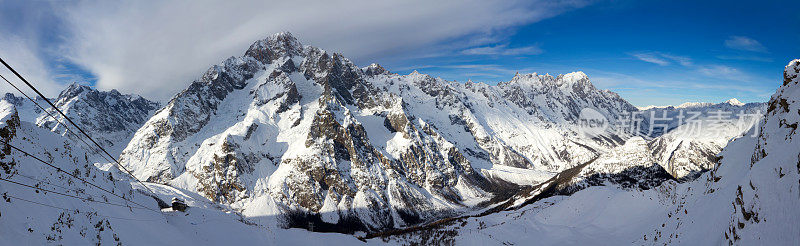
(750, 198)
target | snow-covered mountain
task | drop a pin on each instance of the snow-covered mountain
(111, 117)
(307, 133)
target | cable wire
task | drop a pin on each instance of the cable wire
(76, 211)
(68, 195)
(73, 175)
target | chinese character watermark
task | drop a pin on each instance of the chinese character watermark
(708, 123)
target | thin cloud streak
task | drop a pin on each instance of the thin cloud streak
(662, 59)
(651, 58)
(503, 50)
(744, 43)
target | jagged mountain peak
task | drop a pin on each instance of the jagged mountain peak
(13, 99)
(374, 69)
(734, 102)
(278, 45)
(524, 77)
(791, 72)
(295, 132)
(578, 80)
(73, 90)
(574, 76)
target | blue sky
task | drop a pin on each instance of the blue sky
(650, 52)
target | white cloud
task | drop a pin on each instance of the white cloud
(744, 43)
(21, 56)
(503, 50)
(662, 58)
(651, 58)
(684, 61)
(716, 71)
(722, 71)
(156, 48)
(482, 67)
(745, 58)
(22, 27)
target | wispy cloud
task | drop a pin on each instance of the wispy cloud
(651, 58)
(722, 71)
(717, 71)
(662, 59)
(745, 58)
(684, 61)
(711, 70)
(503, 50)
(744, 43)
